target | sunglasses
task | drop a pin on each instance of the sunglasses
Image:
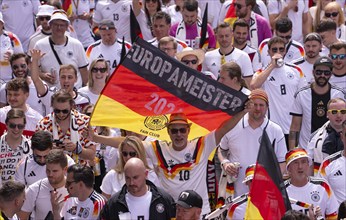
(276, 49)
(44, 18)
(64, 111)
(189, 61)
(88, 113)
(19, 126)
(288, 37)
(15, 67)
(131, 153)
(335, 111)
(325, 72)
(336, 56)
(334, 14)
(95, 70)
(238, 6)
(181, 130)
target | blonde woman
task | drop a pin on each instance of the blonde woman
(317, 12)
(98, 76)
(113, 181)
(334, 12)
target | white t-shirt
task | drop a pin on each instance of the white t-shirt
(29, 172)
(32, 118)
(316, 192)
(281, 85)
(118, 12)
(333, 169)
(339, 81)
(307, 69)
(33, 100)
(212, 62)
(38, 35)
(145, 28)
(86, 91)
(88, 209)
(276, 7)
(254, 57)
(237, 210)
(294, 51)
(38, 198)
(185, 169)
(139, 206)
(110, 53)
(70, 53)
(243, 143)
(10, 158)
(113, 182)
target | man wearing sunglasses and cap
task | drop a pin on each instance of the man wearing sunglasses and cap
(327, 139)
(181, 164)
(310, 104)
(338, 55)
(311, 190)
(42, 17)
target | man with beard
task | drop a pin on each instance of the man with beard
(139, 198)
(227, 53)
(281, 82)
(33, 167)
(83, 202)
(43, 16)
(66, 125)
(338, 55)
(38, 195)
(241, 34)
(189, 29)
(310, 104)
(20, 69)
(312, 47)
(259, 26)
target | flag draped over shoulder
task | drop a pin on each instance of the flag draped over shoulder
(231, 16)
(135, 29)
(268, 198)
(204, 29)
(149, 85)
(67, 6)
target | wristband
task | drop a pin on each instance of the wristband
(78, 149)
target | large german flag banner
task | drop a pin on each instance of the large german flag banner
(268, 198)
(149, 85)
(231, 16)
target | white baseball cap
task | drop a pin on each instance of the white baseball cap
(59, 15)
(1, 18)
(45, 10)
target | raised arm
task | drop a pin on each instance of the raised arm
(294, 131)
(35, 72)
(228, 124)
(136, 6)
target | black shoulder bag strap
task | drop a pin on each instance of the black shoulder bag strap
(55, 53)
